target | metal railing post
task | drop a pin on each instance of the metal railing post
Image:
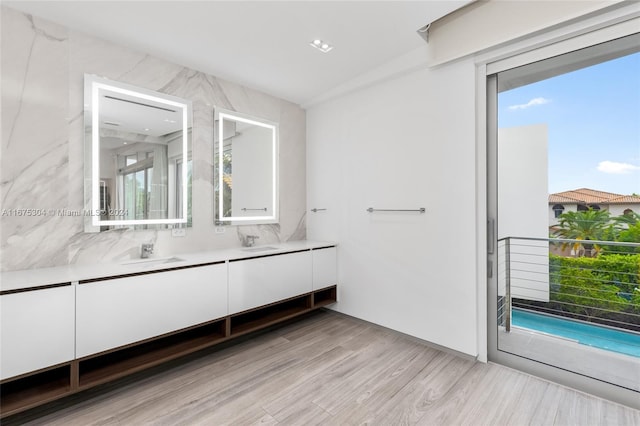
(507, 285)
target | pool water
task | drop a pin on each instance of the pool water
(586, 334)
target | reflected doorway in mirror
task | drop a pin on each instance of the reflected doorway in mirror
(246, 169)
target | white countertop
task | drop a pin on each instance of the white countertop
(28, 278)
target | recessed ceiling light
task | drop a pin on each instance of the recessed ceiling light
(322, 46)
(146, 130)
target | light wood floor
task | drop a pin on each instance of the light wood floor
(335, 370)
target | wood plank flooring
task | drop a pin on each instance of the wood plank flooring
(330, 369)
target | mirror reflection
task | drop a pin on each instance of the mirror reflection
(139, 144)
(246, 160)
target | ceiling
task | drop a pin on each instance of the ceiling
(259, 44)
(130, 113)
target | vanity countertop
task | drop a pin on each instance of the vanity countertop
(30, 278)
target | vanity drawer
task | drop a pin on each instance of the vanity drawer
(36, 330)
(325, 269)
(264, 280)
(120, 311)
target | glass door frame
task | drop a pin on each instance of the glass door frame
(487, 73)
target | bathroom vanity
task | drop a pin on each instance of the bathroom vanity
(68, 329)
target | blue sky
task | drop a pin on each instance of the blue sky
(593, 118)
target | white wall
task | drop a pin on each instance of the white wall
(523, 181)
(252, 174)
(618, 209)
(522, 208)
(404, 143)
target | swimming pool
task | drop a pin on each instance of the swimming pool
(586, 334)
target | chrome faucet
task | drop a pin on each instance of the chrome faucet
(147, 249)
(249, 240)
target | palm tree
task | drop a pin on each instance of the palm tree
(584, 225)
(627, 229)
(627, 219)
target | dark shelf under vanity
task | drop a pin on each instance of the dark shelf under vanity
(325, 297)
(119, 363)
(36, 389)
(265, 316)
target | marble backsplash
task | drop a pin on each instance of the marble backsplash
(42, 151)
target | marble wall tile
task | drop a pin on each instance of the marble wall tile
(43, 67)
(34, 150)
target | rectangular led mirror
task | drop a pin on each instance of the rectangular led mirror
(246, 169)
(137, 166)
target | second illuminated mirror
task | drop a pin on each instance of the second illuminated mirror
(246, 169)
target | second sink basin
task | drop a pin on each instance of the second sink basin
(259, 249)
(148, 263)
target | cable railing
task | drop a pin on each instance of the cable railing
(580, 294)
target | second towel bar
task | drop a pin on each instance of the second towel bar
(420, 210)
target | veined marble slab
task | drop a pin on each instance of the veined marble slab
(42, 149)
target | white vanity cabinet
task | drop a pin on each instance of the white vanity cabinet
(36, 329)
(115, 312)
(263, 280)
(95, 326)
(325, 270)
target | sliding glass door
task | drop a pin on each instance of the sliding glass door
(564, 194)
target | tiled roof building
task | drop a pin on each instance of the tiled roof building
(585, 198)
(591, 196)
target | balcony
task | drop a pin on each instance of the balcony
(572, 304)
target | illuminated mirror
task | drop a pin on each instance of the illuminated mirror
(137, 157)
(246, 169)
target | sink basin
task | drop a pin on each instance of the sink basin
(259, 249)
(148, 263)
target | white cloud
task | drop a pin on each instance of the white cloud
(532, 102)
(616, 168)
